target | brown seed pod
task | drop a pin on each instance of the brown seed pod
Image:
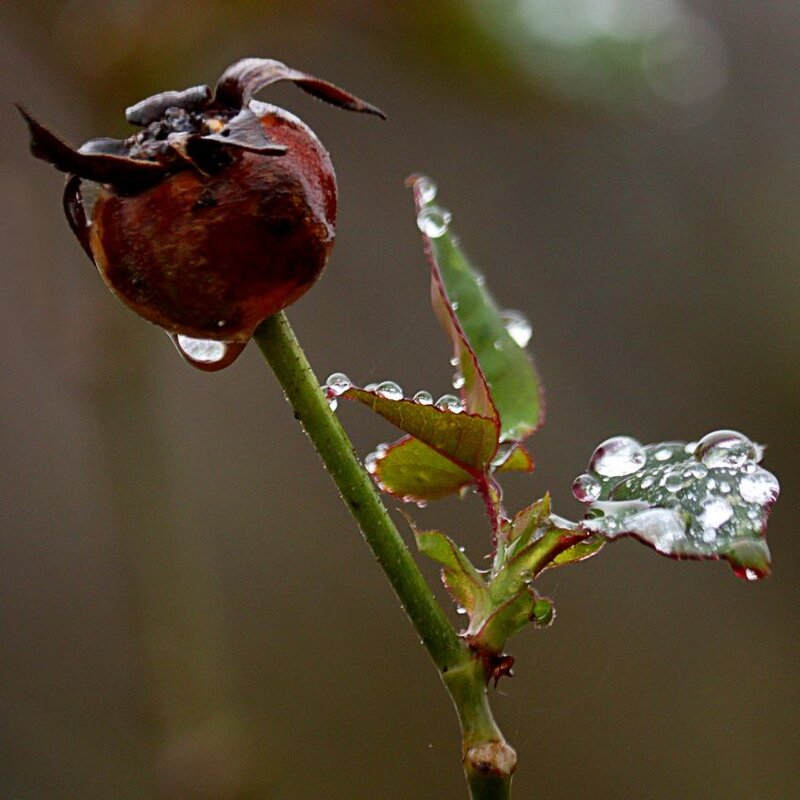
(220, 212)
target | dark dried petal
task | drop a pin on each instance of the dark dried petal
(242, 80)
(75, 212)
(152, 108)
(125, 173)
(246, 132)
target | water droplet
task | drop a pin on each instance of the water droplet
(662, 454)
(389, 390)
(751, 575)
(759, 487)
(449, 402)
(433, 221)
(461, 610)
(725, 449)
(661, 527)
(620, 455)
(698, 471)
(333, 403)
(709, 535)
(423, 398)
(586, 488)
(673, 482)
(724, 487)
(517, 326)
(714, 511)
(208, 355)
(647, 481)
(458, 381)
(422, 503)
(455, 361)
(426, 188)
(207, 351)
(337, 383)
(690, 447)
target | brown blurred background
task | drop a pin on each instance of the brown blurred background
(187, 609)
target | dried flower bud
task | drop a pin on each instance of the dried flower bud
(220, 212)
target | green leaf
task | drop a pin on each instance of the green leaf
(469, 441)
(706, 500)
(497, 371)
(414, 472)
(514, 459)
(505, 620)
(459, 576)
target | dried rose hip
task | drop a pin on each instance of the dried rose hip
(220, 212)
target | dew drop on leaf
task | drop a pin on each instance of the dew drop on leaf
(427, 189)
(389, 390)
(423, 398)
(337, 383)
(458, 381)
(618, 456)
(759, 487)
(517, 326)
(673, 482)
(725, 449)
(714, 511)
(449, 402)
(433, 221)
(586, 488)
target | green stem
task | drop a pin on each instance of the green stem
(488, 759)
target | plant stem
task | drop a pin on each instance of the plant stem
(488, 759)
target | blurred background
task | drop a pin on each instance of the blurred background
(187, 611)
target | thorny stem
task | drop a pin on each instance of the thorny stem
(488, 759)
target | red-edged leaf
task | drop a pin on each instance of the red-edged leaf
(468, 440)
(414, 472)
(497, 372)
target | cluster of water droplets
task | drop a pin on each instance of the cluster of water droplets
(432, 220)
(694, 500)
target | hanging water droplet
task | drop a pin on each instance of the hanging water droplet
(673, 482)
(207, 351)
(586, 488)
(422, 503)
(517, 326)
(423, 398)
(426, 188)
(333, 403)
(461, 610)
(433, 221)
(725, 449)
(714, 511)
(449, 402)
(458, 381)
(208, 355)
(337, 383)
(389, 390)
(759, 487)
(620, 455)
(455, 361)
(751, 575)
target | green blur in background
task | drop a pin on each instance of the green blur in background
(187, 609)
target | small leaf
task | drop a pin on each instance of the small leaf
(497, 371)
(459, 576)
(514, 459)
(526, 522)
(469, 441)
(505, 620)
(706, 500)
(414, 472)
(578, 552)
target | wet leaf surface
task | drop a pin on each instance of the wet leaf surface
(704, 500)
